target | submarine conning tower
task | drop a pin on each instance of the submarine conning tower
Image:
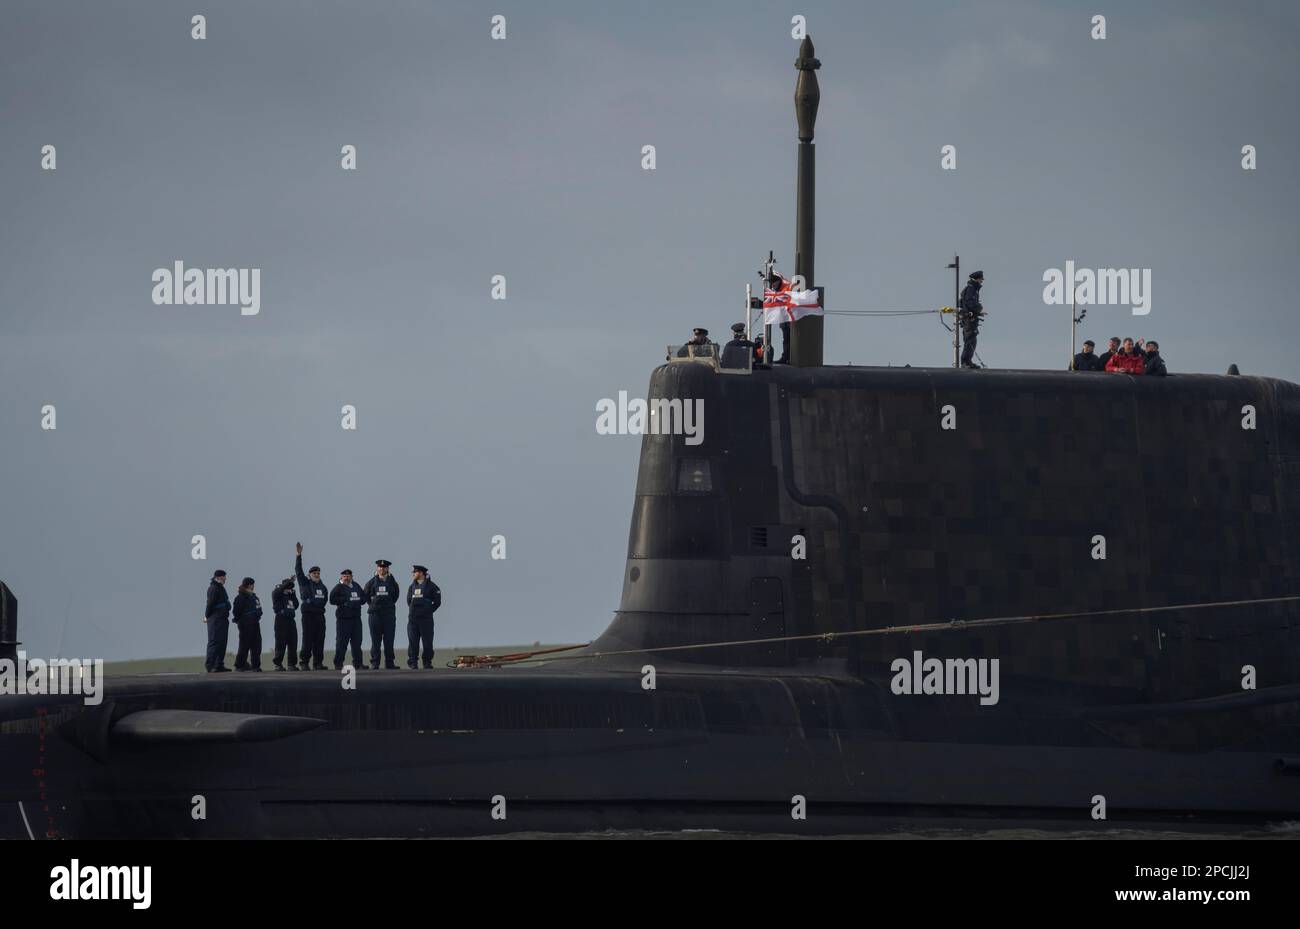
(907, 522)
(812, 501)
(8, 624)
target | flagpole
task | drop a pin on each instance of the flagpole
(956, 302)
(767, 327)
(1074, 322)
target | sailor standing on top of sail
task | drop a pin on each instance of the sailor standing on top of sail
(777, 287)
(697, 346)
(969, 312)
(739, 352)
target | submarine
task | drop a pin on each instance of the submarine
(805, 590)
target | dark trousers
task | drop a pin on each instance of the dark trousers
(785, 344)
(418, 632)
(313, 639)
(250, 644)
(347, 632)
(969, 336)
(382, 626)
(218, 640)
(286, 637)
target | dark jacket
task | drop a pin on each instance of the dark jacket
(284, 603)
(1088, 361)
(1156, 365)
(703, 349)
(737, 354)
(969, 306)
(218, 602)
(349, 600)
(423, 599)
(248, 608)
(1105, 358)
(314, 593)
(1127, 364)
(382, 594)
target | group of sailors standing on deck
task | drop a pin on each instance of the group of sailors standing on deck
(1129, 357)
(379, 595)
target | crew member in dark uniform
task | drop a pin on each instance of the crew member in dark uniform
(248, 617)
(777, 283)
(1155, 364)
(760, 352)
(422, 600)
(700, 340)
(285, 602)
(382, 592)
(314, 598)
(1086, 360)
(348, 597)
(217, 616)
(969, 312)
(739, 351)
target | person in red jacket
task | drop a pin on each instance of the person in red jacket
(1127, 361)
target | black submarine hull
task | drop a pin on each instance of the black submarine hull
(774, 681)
(593, 751)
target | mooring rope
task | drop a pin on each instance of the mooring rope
(885, 312)
(952, 624)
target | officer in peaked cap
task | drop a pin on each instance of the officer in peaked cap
(422, 600)
(739, 351)
(217, 616)
(969, 313)
(699, 341)
(382, 592)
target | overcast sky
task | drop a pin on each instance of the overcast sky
(522, 157)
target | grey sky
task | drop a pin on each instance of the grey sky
(522, 157)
